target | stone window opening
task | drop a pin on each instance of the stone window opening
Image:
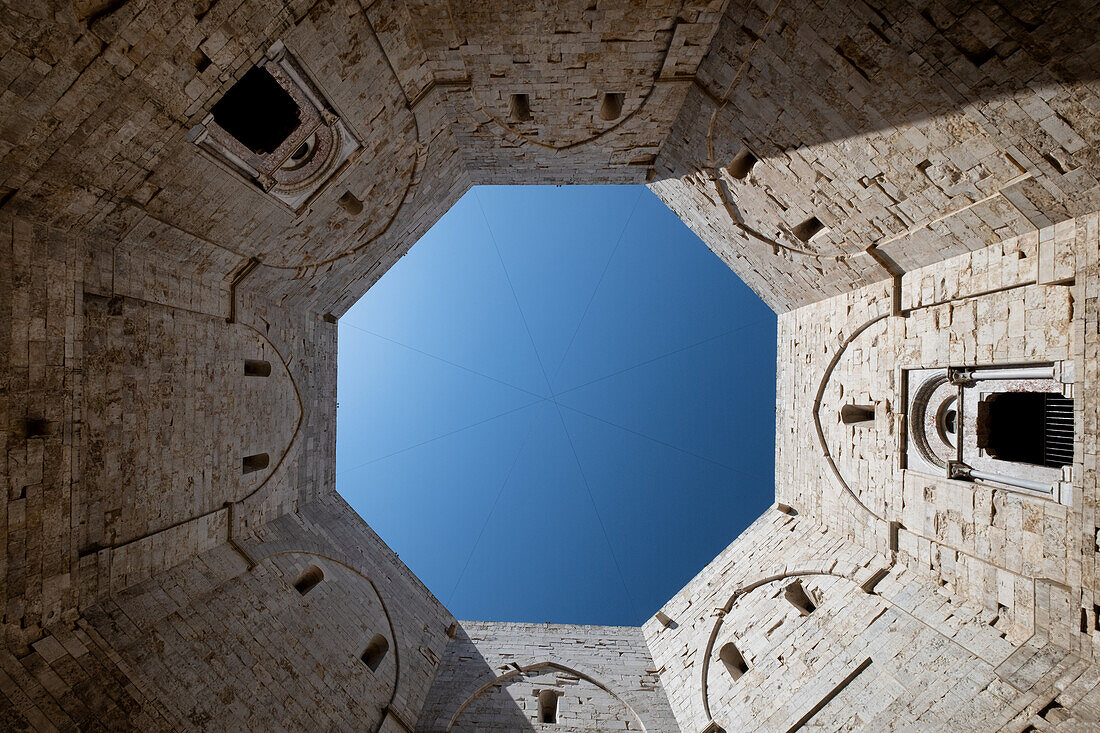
(302, 154)
(519, 108)
(36, 427)
(548, 706)
(277, 130)
(350, 203)
(733, 660)
(611, 108)
(200, 60)
(808, 229)
(310, 578)
(257, 368)
(258, 112)
(375, 652)
(861, 415)
(742, 164)
(797, 596)
(254, 462)
(1028, 427)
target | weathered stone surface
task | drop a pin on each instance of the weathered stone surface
(910, 185)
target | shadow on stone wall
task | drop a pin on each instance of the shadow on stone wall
(462, 673)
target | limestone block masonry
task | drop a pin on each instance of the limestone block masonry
(911, 184)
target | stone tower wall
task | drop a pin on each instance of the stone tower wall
(491, 675)
(853, 111)
(948, 151)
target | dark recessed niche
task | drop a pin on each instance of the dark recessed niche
(350, 203)
(257, 368)
(200, 61)
(548, 706)
(519, 108)
(257, 112)
(612, 106)
(375, 652)
(807, 229)
(257, 462)
(857, 414)
(36, 427)
(733, 660)
(797, 596)
(742, 164)
(309, 579)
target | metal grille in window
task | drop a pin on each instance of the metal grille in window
(1030, 427)
(1057, 430)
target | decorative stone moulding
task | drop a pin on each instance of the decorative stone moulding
(952, 425)
(312, 155)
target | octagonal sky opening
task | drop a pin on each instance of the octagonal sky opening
(559, 406)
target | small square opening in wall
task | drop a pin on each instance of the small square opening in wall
(548, 706)
(255, 462)
(258, 112)
(808, 229)
(797, 596)
(375, 652)
(519, 108)
(611, 107)
(742, 164)
(310, 578)
(733, 660)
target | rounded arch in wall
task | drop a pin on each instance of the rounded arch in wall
(522, 671)
(179, 366)
(589, 119)
(710, 653)
(327, 563)
(819, 399)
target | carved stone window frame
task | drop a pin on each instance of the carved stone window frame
(318, 150)
(927, 389)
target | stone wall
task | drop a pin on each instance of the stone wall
(1010, 303)
(913, 131)
(492, 674)
(224, 641)
(883, 647)
(909, 184)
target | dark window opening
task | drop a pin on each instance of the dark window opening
(309, 579)
(612, 106)
(872, 582)
(257, 368)
(742, 164)
(857, 414)
(375, 652)
(1054, 712)
(950, 421)
(807, 229)
(252, 463)
(350, 203)
(548, 706)
(258, 112)
(1028, 427)
(519, 108)
(36, 427)
(200, 60)
(733, 660)
(797, 596)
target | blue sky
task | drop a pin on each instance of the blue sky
(559, 406)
